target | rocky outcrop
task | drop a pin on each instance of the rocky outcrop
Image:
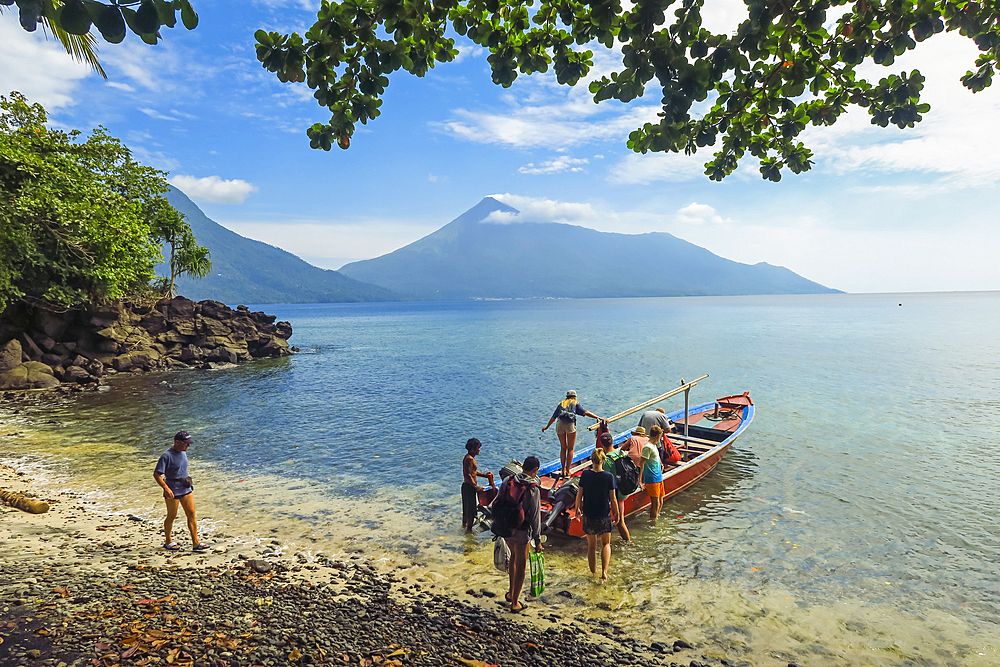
(40, 349)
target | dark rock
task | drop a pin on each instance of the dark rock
(261, 566)
(28, 347)
(50, 359)
(681, 644)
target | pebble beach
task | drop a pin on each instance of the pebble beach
(81, 588)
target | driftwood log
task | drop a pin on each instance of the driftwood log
(22, 502)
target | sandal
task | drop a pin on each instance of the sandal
(506, 596)
(519, 609)
(173, 546)
(202, 547)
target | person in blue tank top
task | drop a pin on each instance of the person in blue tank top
(651, 478)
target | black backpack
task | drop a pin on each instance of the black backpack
(567, 414)
(626, 475)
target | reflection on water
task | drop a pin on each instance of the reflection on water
(853, 523)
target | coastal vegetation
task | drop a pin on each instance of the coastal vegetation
(753, 90)
(83, 222)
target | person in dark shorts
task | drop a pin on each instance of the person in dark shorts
(607, 443)
(470, 487)
(171, 473)
(531, 531)
(598, 503)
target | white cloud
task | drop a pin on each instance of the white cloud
(638, 169)
(538, 113)
(153, 113)
(534, 209)
(328, 245)
(213, 189)
(554, 166)
(39, 68)
(120, 86)
(698, 214)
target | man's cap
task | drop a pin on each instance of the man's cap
(638, 430)
(183, 437)
(570, 394)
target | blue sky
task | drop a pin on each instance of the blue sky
(882, 210)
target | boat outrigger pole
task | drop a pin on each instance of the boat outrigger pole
(685, 387)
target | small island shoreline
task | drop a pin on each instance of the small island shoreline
(81, 588)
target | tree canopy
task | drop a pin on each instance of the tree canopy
(71, 21)
(79, 220)
(788, 64)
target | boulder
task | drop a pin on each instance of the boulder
(215, 310)
(10, 355)
(184, 327)
(44, 341)
(28, 347)
(172, 338)
(76, 374)
(137, 360)
(154, 322)
(284, 329)
(223, 354)
(214, 327)
(29, 375)
(274, 347)
(179, 308)
(50, 359)
(51, 324)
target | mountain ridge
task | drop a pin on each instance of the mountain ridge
(473, 257)
(249, 271)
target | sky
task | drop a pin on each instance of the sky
(882, 210)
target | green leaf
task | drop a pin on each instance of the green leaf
(74, 18)
(111, 24)
(147, 19)
(166, 13)
(188, 17)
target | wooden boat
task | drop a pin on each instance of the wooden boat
(704, 434)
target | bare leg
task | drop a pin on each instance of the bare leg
(168, 523)
(563, 449)
(592, 553)
(187, 502)
(622, 528)
(605, 554)
(655, 505)
(570, 445)
(518, 563)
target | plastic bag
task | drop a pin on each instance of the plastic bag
(501, 554)
(537, 562)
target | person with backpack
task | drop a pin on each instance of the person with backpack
(517, 519)
(607, 444)
(597, 503)
(564, 417)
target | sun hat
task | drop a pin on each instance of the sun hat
(570, 394)
(638, 430)
(183, 437)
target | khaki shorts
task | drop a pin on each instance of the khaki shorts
(563, 426)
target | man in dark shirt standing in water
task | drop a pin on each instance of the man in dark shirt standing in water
(171, 473)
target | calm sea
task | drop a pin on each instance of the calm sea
(853, 523)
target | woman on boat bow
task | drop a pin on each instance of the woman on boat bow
(565, 420)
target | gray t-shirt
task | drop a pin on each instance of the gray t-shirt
(654, 418)
(173, 466)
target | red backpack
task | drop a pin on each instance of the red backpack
(508, 508)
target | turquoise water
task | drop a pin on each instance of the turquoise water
(853, 521)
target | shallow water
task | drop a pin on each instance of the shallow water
(852, 523)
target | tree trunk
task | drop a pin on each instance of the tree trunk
(23, 503)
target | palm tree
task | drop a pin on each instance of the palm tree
(82, 48)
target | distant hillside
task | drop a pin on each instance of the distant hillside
(470, 258)
(248, 271)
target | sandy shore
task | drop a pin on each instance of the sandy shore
(80, 587)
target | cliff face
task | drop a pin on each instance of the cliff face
(40, 349)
